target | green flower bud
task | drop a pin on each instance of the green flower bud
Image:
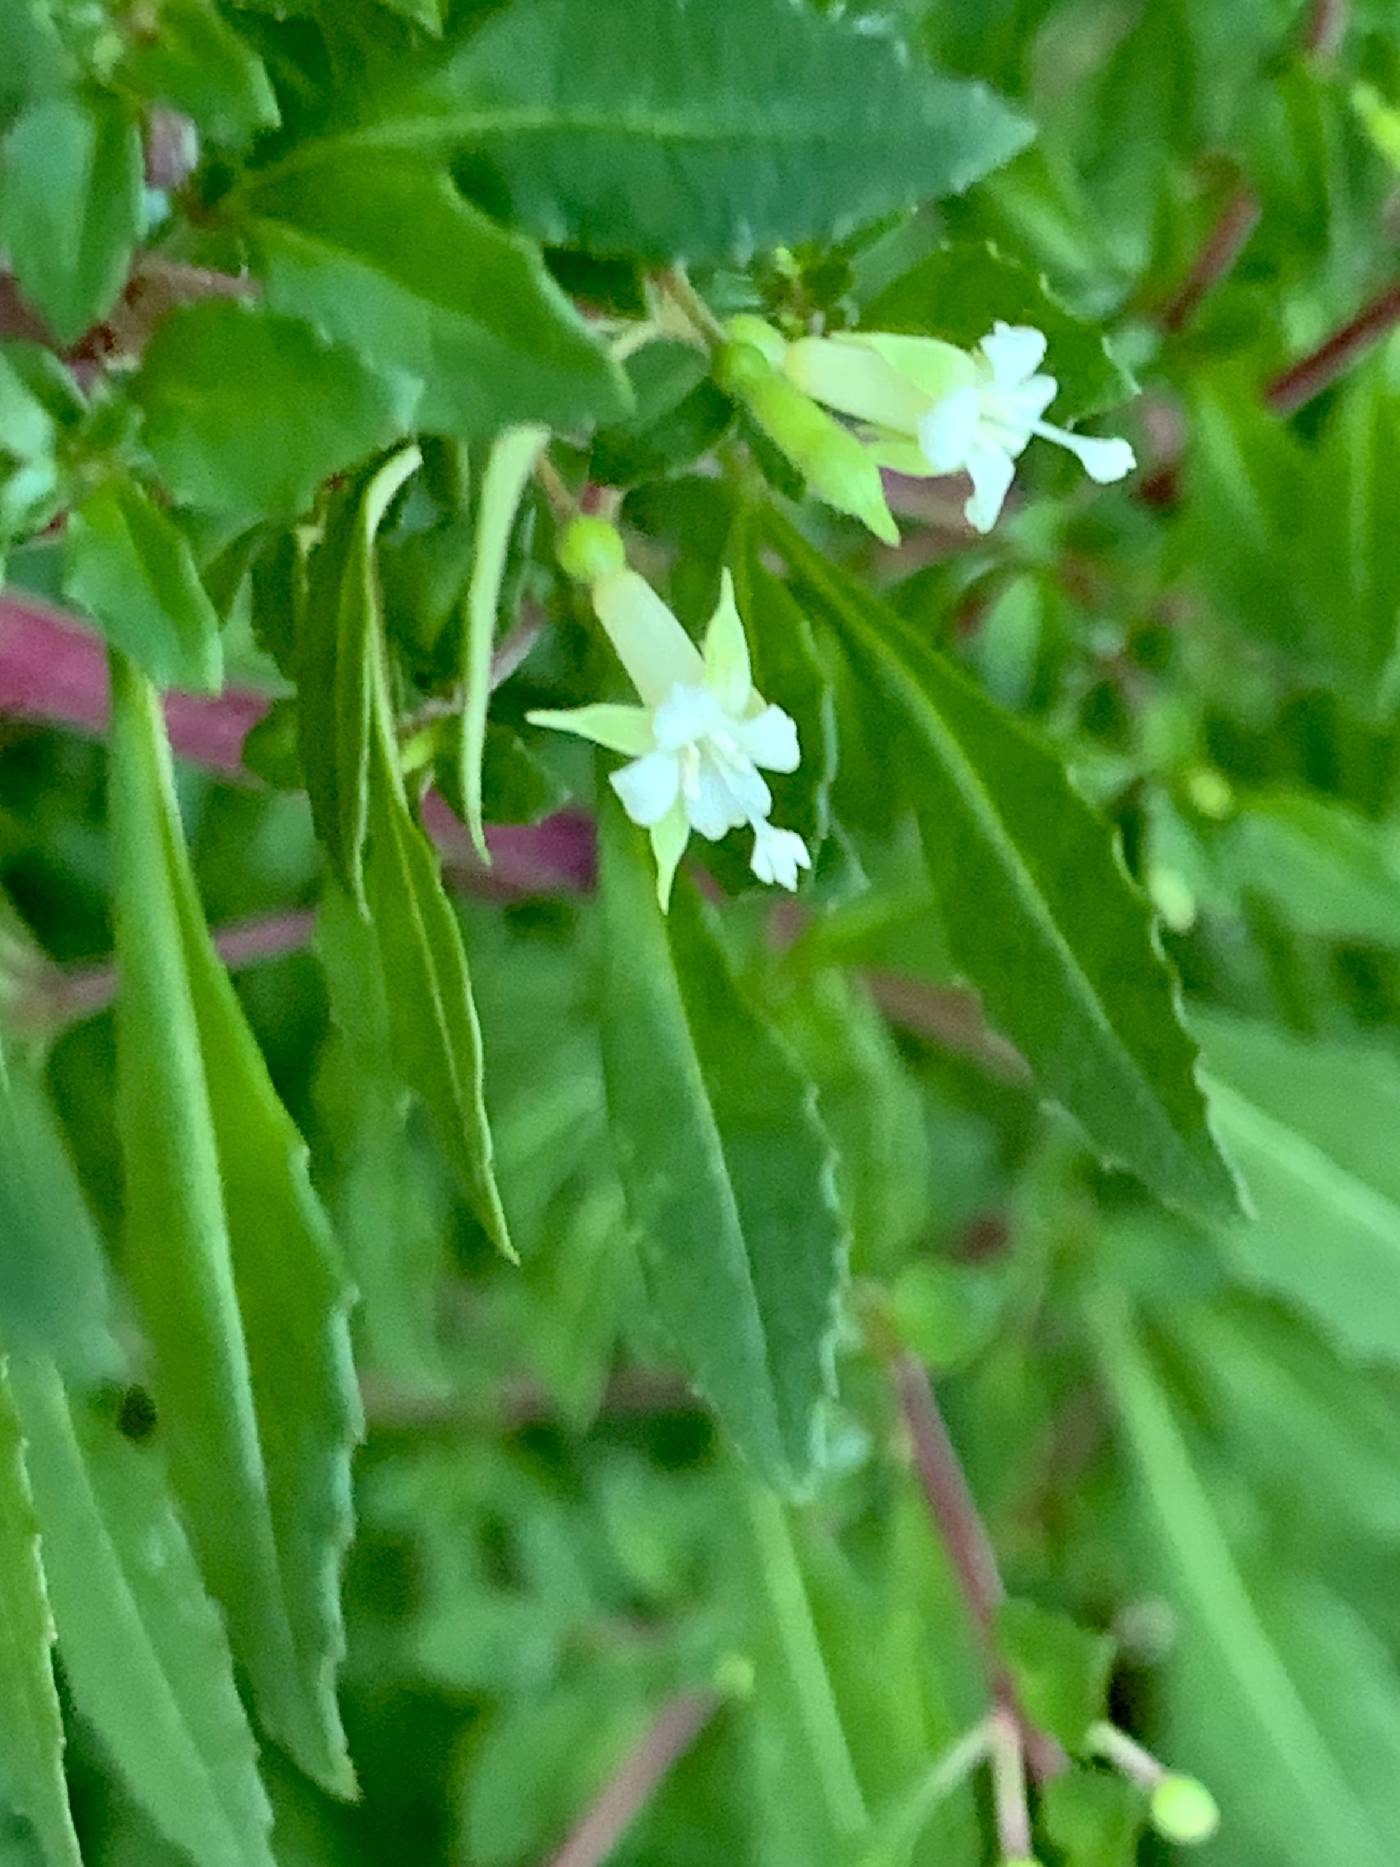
(835, 464)
(590, 549)
(1183, 1810)
(760, 336)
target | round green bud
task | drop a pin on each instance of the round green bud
(1183, 1810)
(759, 336)
(590, 549)
(740, 369)
(1210, 793)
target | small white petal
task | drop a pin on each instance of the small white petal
(1013, 352)
(685, 715)
(991, 473)
(948, 432)
(770, 739)
(719, 797)
(778, 855)
(1035, 395)
(648, 786)
(1104, 459)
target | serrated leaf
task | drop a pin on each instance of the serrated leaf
(31, 1758)
(960, 290)
(248, 413)
(143, 1647)
(128, 565)
(188, 55)
(508, 470)
(70, 202)
(1313, 1127)
(338, 637)
(1038, 911)
(233, 1269)
(752, 124)
(728, 1172)
(1061, 1670)
(386, 256)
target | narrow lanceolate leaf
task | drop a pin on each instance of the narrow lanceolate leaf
(751, 123)
(233, 1269)
(144, 1650)
(506, 477)
(129, 566)
(1037, 908)
(337, 643)
(387, 256)
(70, 204)
(728, 1171)
(1314, 1129)
(31, 1756)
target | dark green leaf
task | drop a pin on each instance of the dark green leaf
(189, 56)
(1061, 1670)
(247, 413)
(728, 1172)
(233, 1268)
(70, 200)
(680, 415)
(129, 566)
(1037, 908)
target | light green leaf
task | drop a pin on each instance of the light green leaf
(248, 413)
(338, 640)
(1333, 872)
(507, 474)
(753, 123)
(70, 200)
(189, 56)
(233, 1269)
(960, 290)
(31, 1758)
(728, 1171)
(1314, 1129)
(386, 256)
(1061, 1670)
(144, 1649)
(128, 565)
(1037, 908)
(1094, 1818)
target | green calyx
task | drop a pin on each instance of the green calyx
(590, 549)
(1183, 1810)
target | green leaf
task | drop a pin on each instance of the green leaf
(248, 413)
(189, 56)
(680, 414)
(1061, 1670)
(70, 203)
(507, 474)
(386, 256)
(337, 651)
(128, 565)
(753, 123)
(1313, 1127)
(31, 1759)
(144, 1649)
(1093, 1818)
(1037, 908)
(728, 1172)
(1332, 872)
(233, 1269)
(960, 290)
(53, 1285)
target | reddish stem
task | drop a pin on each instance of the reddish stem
(1325, 27)
(636, 1780)
(1229, 235)
(1321, 367)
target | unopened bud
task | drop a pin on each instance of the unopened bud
(758, 335)
(1183, 1810)
(590, 549)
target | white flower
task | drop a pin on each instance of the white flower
(703, 737)
(927, 407)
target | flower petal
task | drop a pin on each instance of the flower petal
(620, 729)
(770, 739)
(650, 643)
(1013, 352)
(668, 841)
(894, 452)
(1104, 458)
(722, 796)
(778, 855)
(686, 715)
(848, 374)
(948, 432)
(991, 472)
(648, 786)
(932, 367)
(728, 674)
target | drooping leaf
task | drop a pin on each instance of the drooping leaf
(726, 1166)
(753, 123)
(1038, 911)
(387, 257)
(233, 1268)
(248, 413)
(1061, 1669)
(31, 1758)
(338, 645)
(143, 1647)
(191, 57)
(70, 197)
(129, 566)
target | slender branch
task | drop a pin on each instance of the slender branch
(1229, 234)
(675, 283)
(1325, 27)
(636, 1780)
(1321, 367)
